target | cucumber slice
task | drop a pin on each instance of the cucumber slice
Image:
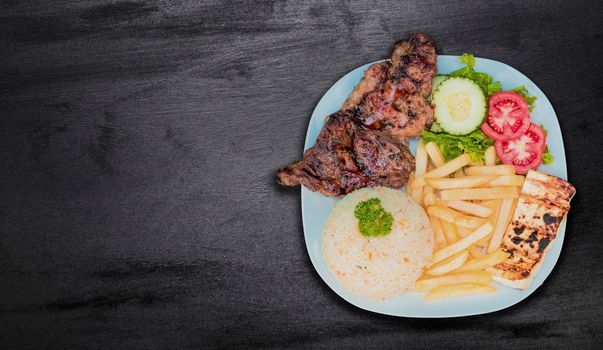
(435, 82)
(460, 105)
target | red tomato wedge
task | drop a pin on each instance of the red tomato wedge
(508, 116)
(524, 152)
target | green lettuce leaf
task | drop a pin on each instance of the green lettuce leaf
(494, 87)
(452, 146)
(526, 94)
(436, 128)
(547, 158)
(467, 59)
(484, 80)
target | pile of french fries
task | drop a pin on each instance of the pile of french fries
(469, 206)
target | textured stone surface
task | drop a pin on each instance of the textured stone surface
(137, 146)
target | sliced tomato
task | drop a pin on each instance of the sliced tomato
(508, 116)
(524, 152)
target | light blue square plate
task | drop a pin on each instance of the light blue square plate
(316, 207)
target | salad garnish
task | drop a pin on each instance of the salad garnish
(475, 144)
(526, 95)
(373, 219)
(506, 124)
(484, 80)
(547, 158)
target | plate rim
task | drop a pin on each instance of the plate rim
(310, 142)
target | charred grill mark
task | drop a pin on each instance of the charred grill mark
(509, 251)
(543, 243)
(315, 164)
(367, 172)
(549, 219)
(519, 230)
(354, 158)
(532, 237)
(329, 121)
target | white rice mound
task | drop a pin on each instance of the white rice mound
(378, 267)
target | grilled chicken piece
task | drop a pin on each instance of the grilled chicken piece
(374, 77)
(347, 157)
(396, 112)
(542, 205)
(364, 144)
(400, 107)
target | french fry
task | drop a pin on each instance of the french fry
(475, 251)
(430, 166)
(458, 290)
(411, 179)
(417, 195)
(450, 232)
(435, 154)
(462, 244)
(463, 231)
(438, 232)
(441, 203)
(479, 193)
(427, 283)
(445, 183)
(506, 180)
(471, 208)
(491, 170)
(491, 202)
(490, 156)
(454, 216)
(504, 216)
(443, 213)
(420, 169)
(485, 261)
(419, 182)
(459, 173)
(484, 241)
(429, 198)
(421, 160)
(450, 264)
(468, 221)
(450, 167)
(494, 205)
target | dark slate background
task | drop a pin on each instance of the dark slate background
(138, 207)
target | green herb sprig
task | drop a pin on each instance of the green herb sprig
(373, 219)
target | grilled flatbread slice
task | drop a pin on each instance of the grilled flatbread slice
(542, 205)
